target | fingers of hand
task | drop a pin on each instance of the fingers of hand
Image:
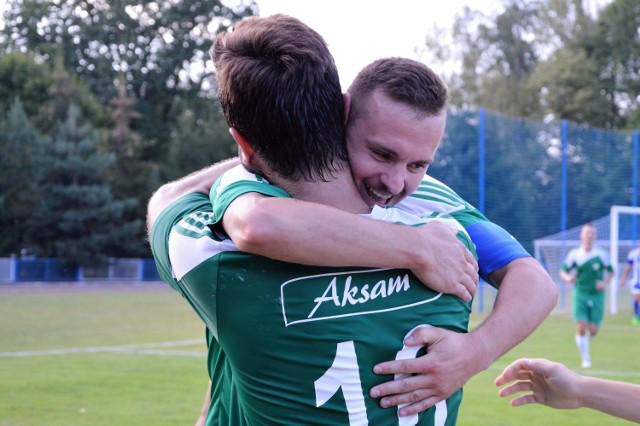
(523, 400)
(406, 366)
(519, 386)
(414, 390)
(462, 292)
(423, 336)
(472, 271)
(517, 370)
(417, 407)
(468, 256)
(395, 387)
(470, 281)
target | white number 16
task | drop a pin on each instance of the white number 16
(344, 374)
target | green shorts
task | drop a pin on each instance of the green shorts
(588, 307)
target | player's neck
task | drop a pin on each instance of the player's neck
(340, 193)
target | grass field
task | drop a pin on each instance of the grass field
(136, 356)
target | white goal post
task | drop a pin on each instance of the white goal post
(628, 242)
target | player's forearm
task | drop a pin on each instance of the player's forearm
(616, 398)
(199, 181)
(202, 419)
(566, 277)
(309, 233)
(526, 297)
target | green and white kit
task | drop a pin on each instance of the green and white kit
(290, 343)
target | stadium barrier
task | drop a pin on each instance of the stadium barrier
(32, 269)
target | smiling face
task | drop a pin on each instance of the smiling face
(390, 147)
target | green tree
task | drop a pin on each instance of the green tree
(159, 47)
(79, 219)
(615, 48)
(64, 91)
(533, 59)
(570, 89)
(131, 175)
(497, 54)
(591, 78)
(154, 44)
(563, 23)
(21, 154)
(198, 138)
(21, 76)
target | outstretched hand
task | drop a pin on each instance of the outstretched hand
(547, 382)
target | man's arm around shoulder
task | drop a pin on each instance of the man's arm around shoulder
(199, 181)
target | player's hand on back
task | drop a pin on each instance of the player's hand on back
(449, 363)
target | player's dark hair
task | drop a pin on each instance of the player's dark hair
(403, 80)
(279, 87)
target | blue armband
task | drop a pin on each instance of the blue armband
(495, 247)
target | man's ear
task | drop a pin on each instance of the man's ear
(346, 96)
(246, 151)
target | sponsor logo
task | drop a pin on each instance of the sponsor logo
(326, 296)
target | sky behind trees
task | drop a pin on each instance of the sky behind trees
(360, 31)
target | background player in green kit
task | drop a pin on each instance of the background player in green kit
(293, 343)
(589, 270)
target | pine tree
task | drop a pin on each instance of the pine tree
(133, 176)
(81, 219)
(21, 153)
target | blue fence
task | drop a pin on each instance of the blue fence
(17, 270)
(537, 178)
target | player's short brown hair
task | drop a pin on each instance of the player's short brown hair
(279, 87)
(403, 80)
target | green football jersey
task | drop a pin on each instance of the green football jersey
(495, 247)
(434, 197)
(590, 267)
(296, 344)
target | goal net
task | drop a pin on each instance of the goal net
(617, 233)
